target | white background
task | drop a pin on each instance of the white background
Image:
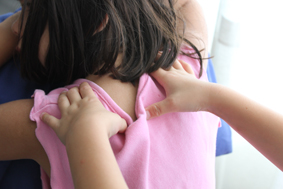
(247, 51)
(248, 57)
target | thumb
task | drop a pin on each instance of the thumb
(51, 121)
(160, 76)
(123, 126)
(159, 108)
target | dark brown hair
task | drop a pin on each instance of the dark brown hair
(136, 28)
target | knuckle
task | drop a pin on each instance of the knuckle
(46, 118)
(92, 99)
(73, 90)
(84, 86)
(155, 111)
(171, 103)
(60, 99)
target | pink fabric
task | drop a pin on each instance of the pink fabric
(176, 150)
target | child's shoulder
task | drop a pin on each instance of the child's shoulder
(113, 94)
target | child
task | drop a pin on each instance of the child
(102, 40)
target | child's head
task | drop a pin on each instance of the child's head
(68, 39)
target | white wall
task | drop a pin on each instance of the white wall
(210, 10)
(252, 65)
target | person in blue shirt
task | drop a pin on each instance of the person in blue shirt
(24, 174)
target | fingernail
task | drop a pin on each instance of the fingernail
(41, 116)
(147, 115)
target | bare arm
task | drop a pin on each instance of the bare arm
(17, 134)
(262, 127)
(85, 128)
(92, 161)
(8, 40)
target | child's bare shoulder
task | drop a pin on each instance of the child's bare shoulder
(123, 93)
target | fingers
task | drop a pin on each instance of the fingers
(63, 102)
(159, 109)
(186, 67)
(53, 122)
(86, 90)
(177, 65)
(159, 75)
(123, 126)
(74, 95)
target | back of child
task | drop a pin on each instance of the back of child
(176, 150)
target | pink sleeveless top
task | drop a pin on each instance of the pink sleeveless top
(176, 150)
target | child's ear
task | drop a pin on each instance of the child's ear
(103, 24)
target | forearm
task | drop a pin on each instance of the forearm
(260, 126)
(92, 161)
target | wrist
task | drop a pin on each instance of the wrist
(84, 132)
(214, 98)
(202, 99)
